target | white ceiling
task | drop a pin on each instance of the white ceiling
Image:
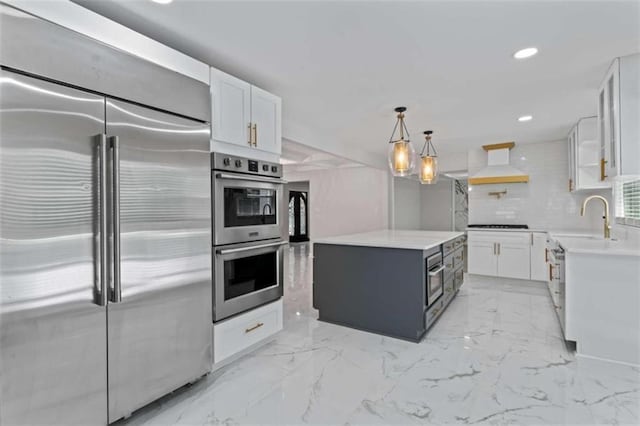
(341, 67)
(299, 158)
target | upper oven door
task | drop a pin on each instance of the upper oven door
(247, 275)
(246, 208)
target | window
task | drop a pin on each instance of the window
(628, 202)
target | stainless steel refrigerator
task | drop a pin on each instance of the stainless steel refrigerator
(105, 253)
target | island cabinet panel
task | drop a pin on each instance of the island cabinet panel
(381, 290)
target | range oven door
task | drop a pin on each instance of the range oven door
(246, 276)
(435, 278)
(246, 208)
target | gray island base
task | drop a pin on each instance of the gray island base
(377, 281)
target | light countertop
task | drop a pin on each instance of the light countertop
(388, 238)
(504, 230)
(595, 244)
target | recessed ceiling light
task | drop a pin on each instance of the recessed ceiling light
(525, 118)
(525, 53)
(162, 1)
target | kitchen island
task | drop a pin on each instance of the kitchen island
(391, 282)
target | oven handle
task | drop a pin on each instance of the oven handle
(241, 249)
(437, 271)
(250, 178)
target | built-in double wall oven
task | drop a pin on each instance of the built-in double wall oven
(248, 234)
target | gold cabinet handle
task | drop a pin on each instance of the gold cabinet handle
(602, 164)
(255, 134)
(550, 272)
(250, 329)
(250, 134)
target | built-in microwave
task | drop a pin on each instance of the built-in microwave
(247, 200)
(434, 278)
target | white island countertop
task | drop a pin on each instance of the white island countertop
(595, 244)
(390, 238)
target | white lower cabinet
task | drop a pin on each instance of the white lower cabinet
(513, 259)
(482, 257)
(501, 254)
(538, 258)
(235, 334)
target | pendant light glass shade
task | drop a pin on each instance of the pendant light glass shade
(401, 152)
(401, 158)
(428, 173)
(428, 169)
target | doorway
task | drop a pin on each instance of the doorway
(298, 216)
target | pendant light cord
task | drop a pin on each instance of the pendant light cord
(403, 128)
(428, 145)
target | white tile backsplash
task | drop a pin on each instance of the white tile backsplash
(543, 203)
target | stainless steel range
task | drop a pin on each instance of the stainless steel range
(248, 233)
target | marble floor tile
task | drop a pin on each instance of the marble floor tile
(496, 356)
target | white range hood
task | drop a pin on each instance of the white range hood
(498, 169)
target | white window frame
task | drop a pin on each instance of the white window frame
(619, 206)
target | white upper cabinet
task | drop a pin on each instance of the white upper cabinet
(266, 120)
(573, 145)
(245, 118)
(231, 108)
(584, 156)
(618, 124)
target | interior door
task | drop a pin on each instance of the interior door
(160, 309)
(298, 216)
(52, 317)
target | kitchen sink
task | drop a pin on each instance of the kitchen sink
(583, 236)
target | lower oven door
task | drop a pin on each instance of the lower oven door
(246, 276)
(435, 278)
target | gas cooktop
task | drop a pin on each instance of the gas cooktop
(500, 226)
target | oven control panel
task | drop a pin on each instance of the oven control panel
(232, 163)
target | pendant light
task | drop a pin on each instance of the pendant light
(401, 152)
(428, 163)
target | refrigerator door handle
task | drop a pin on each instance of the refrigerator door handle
(114, 142)
(104, 238)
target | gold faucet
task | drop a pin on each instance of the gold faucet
(607, 227)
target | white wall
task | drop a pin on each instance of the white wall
(437, 206)
(543, 203)
(406, 203)
(427, 207)
(345, 200)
